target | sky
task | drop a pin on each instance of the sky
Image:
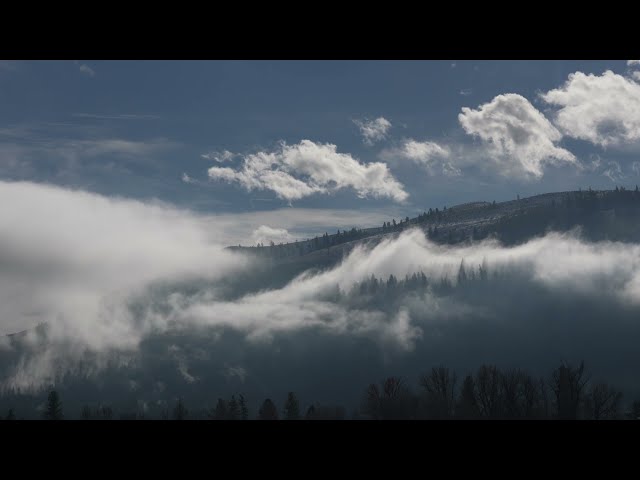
(358, 142)
(122, 182)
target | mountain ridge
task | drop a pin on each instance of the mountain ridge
(478, 220)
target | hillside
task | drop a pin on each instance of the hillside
(608, 214)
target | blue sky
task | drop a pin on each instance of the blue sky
(295, 132)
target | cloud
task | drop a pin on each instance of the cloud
(519, 139)
(30, 150)
(94, 148)
(186, 178)
(317, 301)
(633, 63)
(434, 158)
(613, 171)
(297, 171)
(182, 363)
(636, 75)
(235, 371)
(373, 131)
(87, 70)
(604, 110)
(115, 272)
(73, 259)
(466, 92)
(423, 152)
(220, 157)
(265, 235)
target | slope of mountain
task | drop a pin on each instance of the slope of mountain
(601, 215)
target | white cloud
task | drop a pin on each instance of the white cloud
(87, 70)
(555, 261)
(237, 371)
(604, 110)
(466, 92)
(70, 257)
(265, 235)
(373, 131)
(102, 256)
(520, 140)
(424, 152)
(434, 158)
(613, 171)
(633, 63)
(301, 170)
(186, 178)
(220, 157)
(636, 75)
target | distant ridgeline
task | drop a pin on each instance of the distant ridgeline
(603, 215)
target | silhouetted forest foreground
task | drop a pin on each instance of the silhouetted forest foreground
(490, 393)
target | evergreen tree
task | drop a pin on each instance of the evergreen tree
(10, 415)
(268, 411)
(180, 412)
(86, 413)
(106, 413)
(244, 412)
(234, 410)
(221, 412)
(291, 407)
(462, 273)
(53, 410)
(311, 413)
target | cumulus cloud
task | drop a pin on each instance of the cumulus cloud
(423, 152)
(520, 140)
(373, 131)
(633, 63)
(602, 109)
(296, 171)
(265, 234)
